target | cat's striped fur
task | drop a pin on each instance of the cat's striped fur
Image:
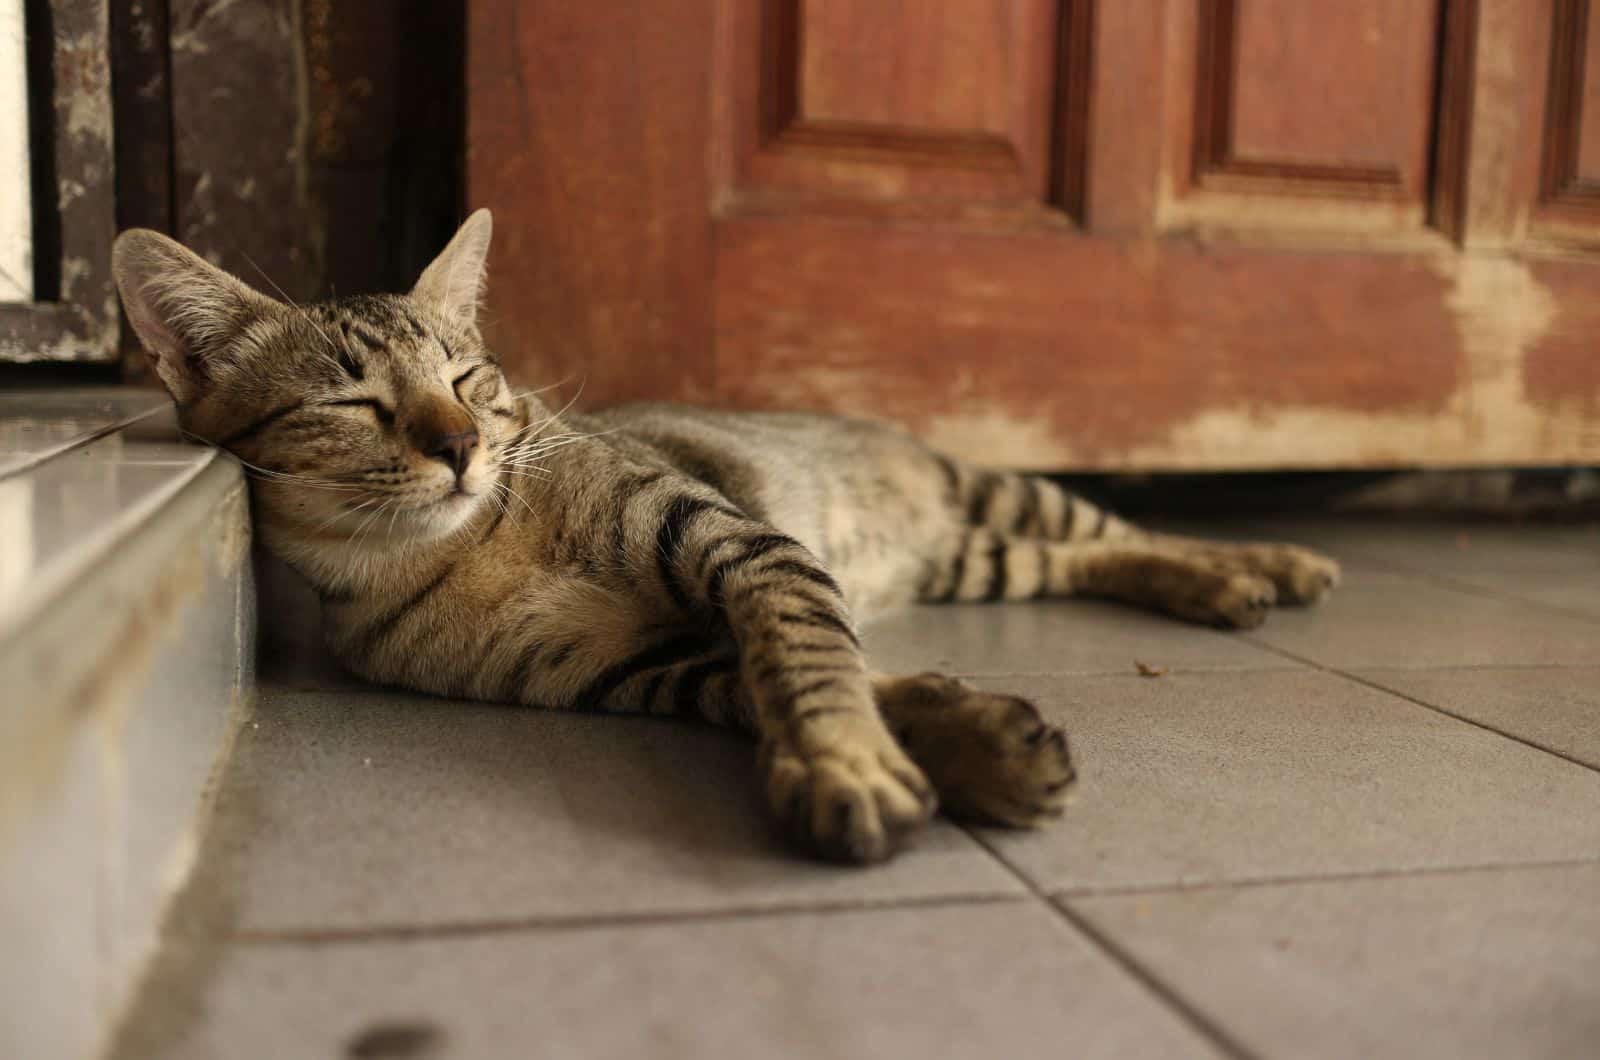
(469, 541)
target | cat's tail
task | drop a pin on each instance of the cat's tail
(1023, 505)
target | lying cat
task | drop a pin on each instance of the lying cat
(465, 540)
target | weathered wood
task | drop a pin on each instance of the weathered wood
(143, 109)
(1034, 351)
(239, 142)
(587, 133)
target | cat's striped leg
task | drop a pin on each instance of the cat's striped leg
(1030, 506)
(983, 565)
(991, 757)
(835, 777)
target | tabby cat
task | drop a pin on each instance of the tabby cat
(466, 540)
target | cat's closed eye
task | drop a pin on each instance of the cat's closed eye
(383, 412)
(455, 384)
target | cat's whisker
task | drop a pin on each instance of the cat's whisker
(366, 527)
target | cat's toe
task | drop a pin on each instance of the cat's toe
(1309, 578)
(1242, 601)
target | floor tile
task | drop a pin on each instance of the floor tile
(983, 980)
(1391, 619)
(362, 810)
(1477, 964)
(1065, 636)
(1542, 564)
(1558, 708)
(1197, 778)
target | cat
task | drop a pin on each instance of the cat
(467, 540)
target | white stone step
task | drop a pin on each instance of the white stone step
(127, 639)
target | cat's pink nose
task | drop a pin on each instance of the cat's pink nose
(454, 449)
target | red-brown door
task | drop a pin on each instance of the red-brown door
(1061, 233)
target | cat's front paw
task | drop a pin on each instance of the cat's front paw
(852, 799)
(993, 758)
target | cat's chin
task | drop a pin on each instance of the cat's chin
(444, 516)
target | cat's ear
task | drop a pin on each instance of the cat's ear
(185, 310)
(454, 281)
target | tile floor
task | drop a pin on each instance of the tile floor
(1371, 829)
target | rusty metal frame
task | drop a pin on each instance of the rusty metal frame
(74, 316)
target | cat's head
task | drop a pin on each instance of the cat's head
(382, 415)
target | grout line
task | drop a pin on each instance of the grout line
(1202, 1023)
(518, 925)
(1197, 1020)
(1485, 726)
(1181, 887)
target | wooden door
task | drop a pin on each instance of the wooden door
(1155, 234)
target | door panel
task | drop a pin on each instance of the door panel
(890, 103)
(1305, 115)
(1570, 178)
(1291, 90)
(1064, 233)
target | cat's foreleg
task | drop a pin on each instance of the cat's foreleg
(836, 778)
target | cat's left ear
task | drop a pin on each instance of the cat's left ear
(455, 279)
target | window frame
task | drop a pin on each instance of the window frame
(76, 319)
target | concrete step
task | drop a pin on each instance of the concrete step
(127, 645)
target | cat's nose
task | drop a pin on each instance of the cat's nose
(454, 449)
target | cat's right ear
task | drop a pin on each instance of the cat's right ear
(454, 279)
(185, 310)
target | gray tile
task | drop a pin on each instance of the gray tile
(988, 980)
(357, 810)
(1392, 619)
(1464, 548)
(1066, 636)
(1247, 776)
(1557, 708)
(1478, 964)
(1542, 564)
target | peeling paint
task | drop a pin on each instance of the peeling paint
(83, 325)
(1177, 356)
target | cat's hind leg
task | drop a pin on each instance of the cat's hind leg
(991, 758)
(984, 565)
(1010, 505)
